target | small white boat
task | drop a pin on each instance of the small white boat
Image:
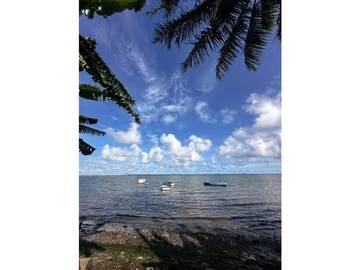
(142, 181)
(165, 188)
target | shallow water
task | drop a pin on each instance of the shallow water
(248, 201)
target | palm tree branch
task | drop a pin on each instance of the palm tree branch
(186, 25)
(269, 11)
(85, 149)
(89, 130)
(229, 51)
(87, 120)
(255, 41)
(214, 36)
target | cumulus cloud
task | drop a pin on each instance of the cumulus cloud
(128, 155)
(263, 138)
(227, 115)
(185, 155)
(267, 109)
(213, 160)
(168, 118)
(201, 145)
(203, 111)
(144, 158)
(156, 154)
(132, 136)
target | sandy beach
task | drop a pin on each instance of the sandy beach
(154, 246)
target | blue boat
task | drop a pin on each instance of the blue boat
(214, 184)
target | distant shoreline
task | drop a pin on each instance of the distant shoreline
(181, 174)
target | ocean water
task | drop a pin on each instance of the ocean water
(249, 202)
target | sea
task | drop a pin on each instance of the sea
(249, 203)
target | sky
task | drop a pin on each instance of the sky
(191, 122)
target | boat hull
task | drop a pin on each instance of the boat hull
(142, 181)
(215, 184)
(165, 188)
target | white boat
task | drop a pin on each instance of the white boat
(165, 188)
(142, 181)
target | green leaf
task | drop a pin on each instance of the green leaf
(106, 8)
(91, 92)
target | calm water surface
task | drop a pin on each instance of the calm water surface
(250, 201)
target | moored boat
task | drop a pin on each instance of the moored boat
(214, 184)
(170, 184)
(142, 181)
(165, 188)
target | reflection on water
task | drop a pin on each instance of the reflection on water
(247, 200)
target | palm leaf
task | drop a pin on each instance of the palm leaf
(87, 120)
(269, 11)
(167, 7)
(278, 22)
(235, 41)
(255, 41)
(187, 24)
(89, 130)
(85, 149)
(214, 36)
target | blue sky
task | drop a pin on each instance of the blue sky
(191, 123)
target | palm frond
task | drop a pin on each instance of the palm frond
(87, 120)
(214, 36)
(278, 22)
(187, 24)
(269, 12)
(255, 41)
(89, 130)
(85, 149)
(235, 41)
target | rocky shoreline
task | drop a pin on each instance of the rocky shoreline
(153, 247)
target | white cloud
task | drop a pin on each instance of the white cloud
(130, 155)
(203, 111)
(228, 115)
(114, 118)
(165, 96)
(155, 93)
(156, 155)
(153, 139)
(256, 144)
(241, 132)
(132, 136)
(144, 158)
(168, 118)
(263, 139)
(207, 79)
(184, 155)
(213, 160)
(267, 109)
(201, 145)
